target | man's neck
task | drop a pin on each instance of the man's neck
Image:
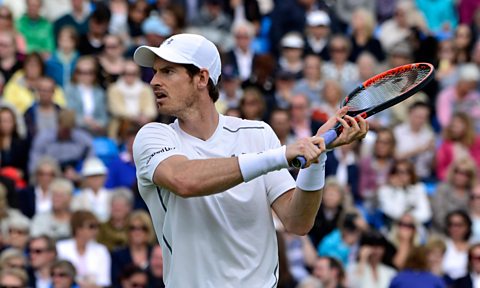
(200, 123)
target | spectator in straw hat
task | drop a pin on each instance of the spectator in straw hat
(94, 196)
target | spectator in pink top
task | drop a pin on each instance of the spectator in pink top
(462, 97)
(459, 141)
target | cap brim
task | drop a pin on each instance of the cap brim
(145, 56)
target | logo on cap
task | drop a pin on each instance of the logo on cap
(168, 41)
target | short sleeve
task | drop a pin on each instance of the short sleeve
(277, 182)
(154, 143)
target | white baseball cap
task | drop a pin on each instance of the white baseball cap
(183, 49)
(318, 18)
(292, 40)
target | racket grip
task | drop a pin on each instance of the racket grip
(329, 137)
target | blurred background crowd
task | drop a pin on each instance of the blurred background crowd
(401, 208)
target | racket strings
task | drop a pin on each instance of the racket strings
(387, 88)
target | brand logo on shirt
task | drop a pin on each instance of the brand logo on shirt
(164, 149)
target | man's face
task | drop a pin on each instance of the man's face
(39, 253)
(322, 270)
(173, 88)
(45, 91)
(475, 260)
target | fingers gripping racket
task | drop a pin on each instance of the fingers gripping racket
(379, 93)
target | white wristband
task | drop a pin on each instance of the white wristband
(253, 165)
(313, 177)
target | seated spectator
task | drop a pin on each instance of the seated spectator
(334, 204)
(311, 85)
(77, 18)
(369, 271)
(19, 90)
(55, 223)
(458, 231)
(342, 163)
(339, 68)
(10, 60)
(137, 13)
(331, 95)
(283, 92)
(362, 24)
(91, 259)
(91, 42)
(43, 113)
(93, 196)
(140, 240)
(291, 51)
(461, 97)
(133, 276)
(329, 271)
(374, 169)
(12, 258)
(463, 40)
(454, 192)
(130, 101)
(418, 139)
(6, 213)
(42, 254)
(301, 117)
(242, 55)
(403, 193)
(61, 64)
(230, 91)
(14, 146)
(397, 28)
(280, 123)
(13, 278)
(113, 233)
(37, 197)
(7, 24)
(342, 242)
(252, 104)
(155, 269)
(18, 232)
(474, 211)
(68, 144)
(473, 269)
(317, 33)
(36, 29)
(405, 234)
(459, 140)
(415, 272)
(63, 274)
(447, 71)
(111, 60)
(87, 98)
(435, 251)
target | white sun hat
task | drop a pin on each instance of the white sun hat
(183, 49)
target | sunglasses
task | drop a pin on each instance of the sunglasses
(91, 226)
(462, 172)
(59, 274)
(38, 251)
(10, 286)
(456, 224)
(138, 228)
(406, 225)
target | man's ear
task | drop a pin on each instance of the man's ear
(204, 76)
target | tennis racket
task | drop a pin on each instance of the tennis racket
(379, 93)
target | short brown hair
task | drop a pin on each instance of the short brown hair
(417, 259)
(79, 218)
(213, 92)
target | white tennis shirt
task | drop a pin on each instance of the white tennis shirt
(222, 240)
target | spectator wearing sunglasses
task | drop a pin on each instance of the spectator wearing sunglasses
(473, 274)
(42, 253)
(134, 277)
(458, 231)
(91, 259)
(63, 274)
(139, 248)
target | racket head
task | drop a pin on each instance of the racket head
(388, 88)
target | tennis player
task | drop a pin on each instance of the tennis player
(210, 181)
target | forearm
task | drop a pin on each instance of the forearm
(301, 211)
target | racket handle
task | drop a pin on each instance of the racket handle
(300, 161)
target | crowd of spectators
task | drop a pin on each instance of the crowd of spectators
(401, 208)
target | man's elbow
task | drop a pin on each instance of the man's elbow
(185, 187)
(299, 229)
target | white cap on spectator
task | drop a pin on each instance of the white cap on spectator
(292, 40)
(93, 167)
(318, 18)
(469, 72)
(183, 49)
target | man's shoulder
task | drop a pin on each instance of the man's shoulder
(153, 127)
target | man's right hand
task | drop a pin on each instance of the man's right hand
(310, 148)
